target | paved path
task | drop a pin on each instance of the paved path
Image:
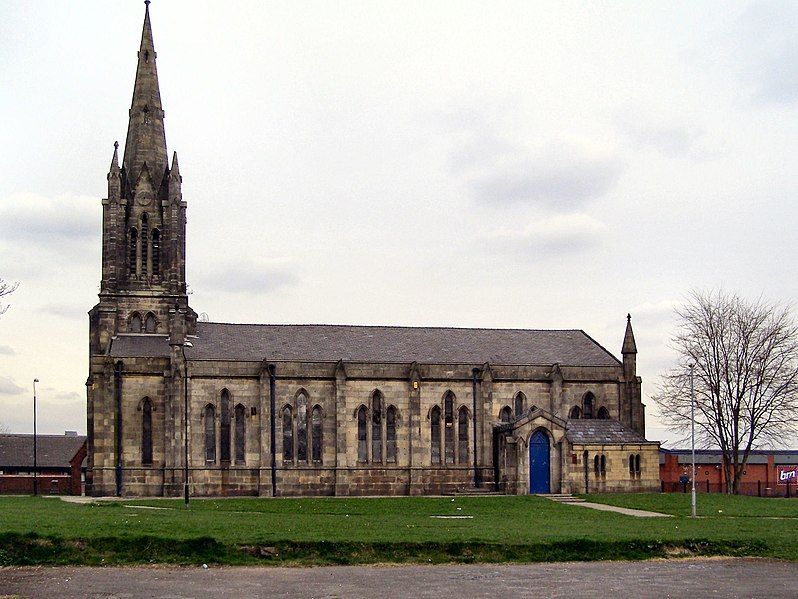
(656, 578)
(621, 510)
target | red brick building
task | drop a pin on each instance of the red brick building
(60, 464)
(767, 473)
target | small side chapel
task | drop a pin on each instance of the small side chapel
(259, 409)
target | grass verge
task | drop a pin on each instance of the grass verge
(321, 531)
(31, 549)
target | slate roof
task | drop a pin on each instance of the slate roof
(52, 451)
(605, 432)
(381, 344)
(715, 456)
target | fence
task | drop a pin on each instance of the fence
(757, 489)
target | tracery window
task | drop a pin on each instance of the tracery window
(146, 432)
(462, 435)
(435, 434)
(376, 431)
(448, 413)
(224, 426)
(362, 435)
(316, 434)
(302, 427)
(135, 323)
(288, 435)
(376, 427)
(390, 435)
(241, 413)
(575, 413)
(210, 433)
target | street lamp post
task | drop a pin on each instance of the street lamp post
(692, 439)
(35, 462)
(185, 421)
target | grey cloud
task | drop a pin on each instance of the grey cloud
(249, 278)
(9, 387)
(555, 184)
(68, 396)
(7, 350)
(42, 221)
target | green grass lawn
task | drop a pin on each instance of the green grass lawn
(365, 530)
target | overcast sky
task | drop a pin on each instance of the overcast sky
(531, 164)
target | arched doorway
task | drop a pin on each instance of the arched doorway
(539, 463)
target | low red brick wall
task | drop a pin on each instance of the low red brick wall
(11, 484)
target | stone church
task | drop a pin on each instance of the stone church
(176, 404)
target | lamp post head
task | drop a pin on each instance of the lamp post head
(35, 380)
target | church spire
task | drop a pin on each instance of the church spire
(146, 138)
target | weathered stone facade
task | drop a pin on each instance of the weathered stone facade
(325, 410)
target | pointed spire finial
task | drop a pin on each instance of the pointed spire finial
(629, 345)
(116, 146)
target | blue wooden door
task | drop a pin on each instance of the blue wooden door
(539, 481)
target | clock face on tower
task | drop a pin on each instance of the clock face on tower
(143, 197)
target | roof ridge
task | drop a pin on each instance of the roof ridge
(400, 326)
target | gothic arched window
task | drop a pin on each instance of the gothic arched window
(376, 427)
(362, 435)
(435, 434)
(587, 406)
(448, 440)
(603, 465)
(288, 435)
(596, 465)
(506, 414)
(575, 413)
(603, 413)
(146, 432)
(132, 241)
(135, 323)
(210, 434)
(240, 434)
(156, 252)
(149, 323)
(302, 427)
(462, 435)
(637, 464)
(631, 464)
(224, 427)
(390, 434)
(316, 434)
(144, 234)
(518, 404)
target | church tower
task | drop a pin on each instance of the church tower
(143, 286)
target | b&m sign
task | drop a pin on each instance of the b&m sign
(787, 475)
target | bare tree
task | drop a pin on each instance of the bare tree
(746, 376)
(6, 289)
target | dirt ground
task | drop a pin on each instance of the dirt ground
(608, 580)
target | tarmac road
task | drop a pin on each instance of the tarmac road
(712, 577)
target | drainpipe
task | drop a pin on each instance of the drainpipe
(118, 394)
(477, 474)
(273, 444)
